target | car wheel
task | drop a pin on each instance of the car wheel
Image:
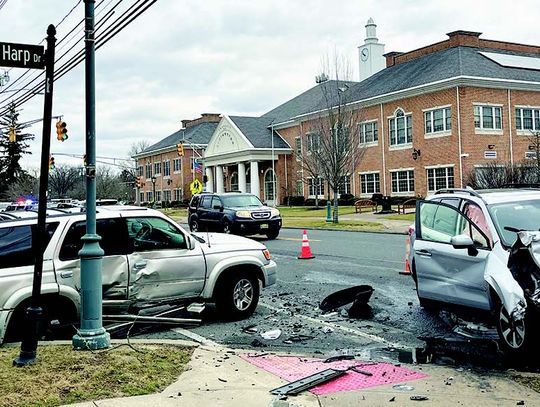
(226, 228)
(237, 296)
(513, 335)
(272, 234)
(194, 225)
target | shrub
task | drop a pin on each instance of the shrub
(294, 200)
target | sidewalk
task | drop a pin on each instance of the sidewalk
(217, 376)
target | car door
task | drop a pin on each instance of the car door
(445, 273)
(205, 212)
(162, 267)
(114, 242)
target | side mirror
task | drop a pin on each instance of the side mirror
(464, 242)
(218, 207)
(190, 242)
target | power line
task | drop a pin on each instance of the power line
(111, 31)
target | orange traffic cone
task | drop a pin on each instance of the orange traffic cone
(407, 270)
(306, 250)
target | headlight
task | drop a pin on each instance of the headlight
(243, 214)
(274, 212)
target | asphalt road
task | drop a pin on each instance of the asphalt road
(394, 319)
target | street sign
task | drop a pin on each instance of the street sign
(196, 187)
(22, 55)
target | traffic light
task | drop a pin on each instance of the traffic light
(61, 131)
(180, 149)
(12, 135)
(138, 182)
(51, 162)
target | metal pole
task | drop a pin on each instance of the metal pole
(91, 335)
(273, 170)
(34, 311)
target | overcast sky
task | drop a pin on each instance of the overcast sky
(238, 57)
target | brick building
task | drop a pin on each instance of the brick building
(426, 121)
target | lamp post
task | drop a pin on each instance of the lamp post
(92, 335)
(153, 179)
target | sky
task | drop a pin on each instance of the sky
(237, 57)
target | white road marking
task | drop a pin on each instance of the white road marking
(296, 239)
(334, 325)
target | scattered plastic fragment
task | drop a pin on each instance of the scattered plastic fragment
(419, 398)
(403, 387)
(393, 399)
(337, 358)
(271, 335)
(251, 329)
(327, 329)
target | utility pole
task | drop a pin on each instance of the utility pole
(91, 335)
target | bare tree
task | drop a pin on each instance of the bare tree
(62, 180)
(137, 147)
(332, 146)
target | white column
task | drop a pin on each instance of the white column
(242, 177)
(210, 182)
(254, 178)
(219, 179)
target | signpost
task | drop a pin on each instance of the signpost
(22, 55)
(34, 57)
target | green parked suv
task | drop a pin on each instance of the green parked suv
(233, 212)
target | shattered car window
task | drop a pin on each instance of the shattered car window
(154, 234)
(475, 214)
(523, 215)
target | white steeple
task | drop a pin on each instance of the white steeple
(370, 54)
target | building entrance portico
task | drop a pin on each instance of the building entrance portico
(240, 155)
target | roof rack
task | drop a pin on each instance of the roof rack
(461, 190)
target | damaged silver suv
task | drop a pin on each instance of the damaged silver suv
(471, 252)
(148, 260)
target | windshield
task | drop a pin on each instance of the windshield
(241, 200)
(521, 215)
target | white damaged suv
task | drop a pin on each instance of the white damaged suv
(149, 259)
(460, 249)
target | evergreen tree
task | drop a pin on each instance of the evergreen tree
(11, 149)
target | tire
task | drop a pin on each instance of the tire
(514, 337)
(194, 225)
(56, 323)
(272, 234)
(237, 296)
(226, 227)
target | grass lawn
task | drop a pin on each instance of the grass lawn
(407, 216)
(63, 376)
(322, 224)
(311, 211)
(175, 212)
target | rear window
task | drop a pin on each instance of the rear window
(16, 249)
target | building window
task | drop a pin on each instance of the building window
(157, 168)
(269, 185)
(148, 170)
(487, 117)
(234, 181)
(368, 133)
(369, 183)
(402, 181)
(298, 148)
(158, 196)
(527, 119)
(316, 186)
(177, 165)
(167, 195)
(400, 129)
(344, 186)
(178, 194)
(149, 197)
(440, 178)
(313, 142)
(166, 168)
(438, 120)
(140, 170)
(299, 188)
(141, 196)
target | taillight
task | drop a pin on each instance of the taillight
(266, 253)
